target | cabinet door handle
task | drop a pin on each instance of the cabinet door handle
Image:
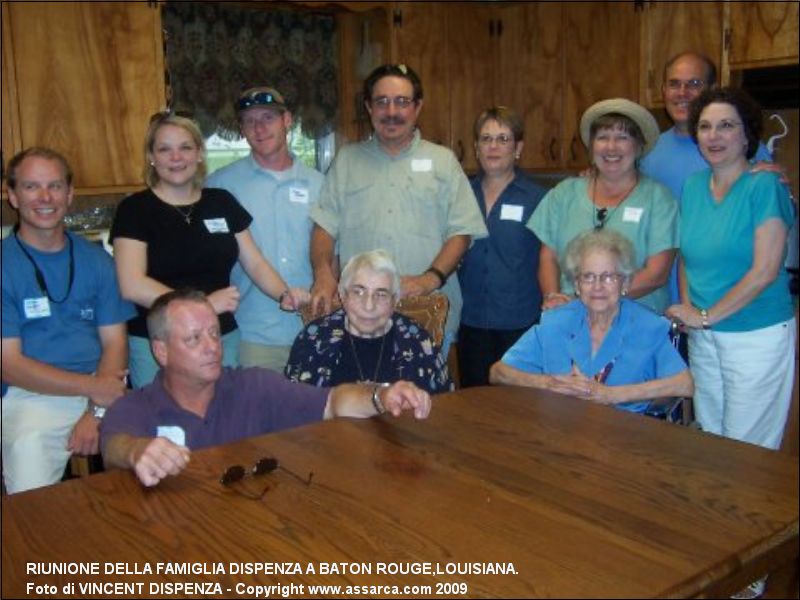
(553, 149)
(460, 151)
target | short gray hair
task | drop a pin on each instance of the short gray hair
(157, 321)
(606, 240)
(378, 261)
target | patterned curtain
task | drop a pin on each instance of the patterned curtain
(214, 52)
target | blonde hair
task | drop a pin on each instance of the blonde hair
(151, 178)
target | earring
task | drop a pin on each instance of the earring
(152, 164)
(624, 292)
(516, 156)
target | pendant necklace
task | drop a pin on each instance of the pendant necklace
(358, 362)
(602, 214)
(187, 216)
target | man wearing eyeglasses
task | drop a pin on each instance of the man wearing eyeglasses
(194, 402)
(64, 342)
(398, 192)
(278, 191)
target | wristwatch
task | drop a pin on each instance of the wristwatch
(704, 318)
(98, 412)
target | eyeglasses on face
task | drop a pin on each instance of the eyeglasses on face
(694, 85)
(258, 99)
(237, 473)
(383, 102)
(605, 278)
(381, 296)
(724, 126)
(501, 139)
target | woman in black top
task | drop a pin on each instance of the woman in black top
(177, 234)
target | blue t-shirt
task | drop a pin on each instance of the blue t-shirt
(498, 274)
(717, 245)
(636, 348)
(62, 334)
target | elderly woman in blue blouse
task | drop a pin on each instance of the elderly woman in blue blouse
(734, 291)
(602, 346)
(367, 340)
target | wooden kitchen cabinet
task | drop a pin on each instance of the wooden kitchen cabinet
(762, 34)
(601, 61)
(470, 47)
(86, 78)
(10, 133)
(530, 77)
(419, 39)
(668, 28)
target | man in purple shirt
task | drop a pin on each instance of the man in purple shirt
(194, 402)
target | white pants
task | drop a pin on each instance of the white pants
(743, 381)
(35, 433)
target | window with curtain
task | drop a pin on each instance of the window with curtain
(215, 51)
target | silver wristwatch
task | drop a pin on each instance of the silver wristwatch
(98, 412)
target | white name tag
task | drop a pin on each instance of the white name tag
(298, 195)
(632, 214)
(174, 433)
(511, 212)
(421, 165)
(36, 308)
(216, 225)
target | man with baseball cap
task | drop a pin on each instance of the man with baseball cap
(278, 191)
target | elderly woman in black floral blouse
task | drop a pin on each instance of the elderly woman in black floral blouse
(367, 340)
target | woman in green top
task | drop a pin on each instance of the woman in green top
(616, 196)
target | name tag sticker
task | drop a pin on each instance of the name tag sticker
(174, 433)
(421, 165)
(511, 212)
(632, 214)
(216, 225)
(298, 195)
(36, 308)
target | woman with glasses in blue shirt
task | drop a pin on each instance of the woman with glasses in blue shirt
(498, 273)
(602, 347)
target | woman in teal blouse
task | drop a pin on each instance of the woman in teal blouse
(734, 291)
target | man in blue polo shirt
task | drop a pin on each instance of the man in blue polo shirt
(64, 341)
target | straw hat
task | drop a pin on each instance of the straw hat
(638, 114)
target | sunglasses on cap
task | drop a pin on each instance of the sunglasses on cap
(259, 99)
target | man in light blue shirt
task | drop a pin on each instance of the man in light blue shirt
(278, 191)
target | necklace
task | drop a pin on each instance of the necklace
(358, 362)
(40, 276)
(601, 214)
(187, 216)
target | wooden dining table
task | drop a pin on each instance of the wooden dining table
(502, 492)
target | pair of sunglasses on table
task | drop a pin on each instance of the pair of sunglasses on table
(237, 473)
